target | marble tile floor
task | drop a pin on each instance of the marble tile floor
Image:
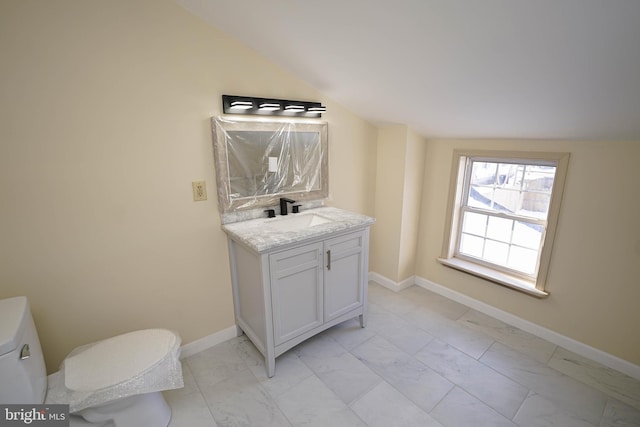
(422, 360)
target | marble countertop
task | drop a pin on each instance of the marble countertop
(258, 235)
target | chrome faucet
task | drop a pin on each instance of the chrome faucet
(283, 205)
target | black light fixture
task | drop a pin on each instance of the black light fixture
(233, 104)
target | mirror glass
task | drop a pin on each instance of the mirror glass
(259, 161)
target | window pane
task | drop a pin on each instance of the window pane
(483, 173)
(537, 191)
(500, 229)
(535, 205)
(480, 197)
(527, 235)
(474, 223)
(509, 176)
(506, 200)
(471, 245)
(523, 259)
(540, 178)
(496, 252)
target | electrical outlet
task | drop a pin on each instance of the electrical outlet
(199, 190)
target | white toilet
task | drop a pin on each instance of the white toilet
(116, 382)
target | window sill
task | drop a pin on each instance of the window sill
(494, 276)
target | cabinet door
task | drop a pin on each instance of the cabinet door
(344, 270)
(296, 291)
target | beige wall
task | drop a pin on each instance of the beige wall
(104, 123)
(595, 267)
(386, 234)
(412, 198)
(399, 177)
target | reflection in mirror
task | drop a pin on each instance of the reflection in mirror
(291, 160)
(259, 161)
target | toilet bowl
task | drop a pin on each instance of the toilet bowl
(116, 382)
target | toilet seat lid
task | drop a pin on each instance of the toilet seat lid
(117, 359)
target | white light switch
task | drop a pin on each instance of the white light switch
(273, 164)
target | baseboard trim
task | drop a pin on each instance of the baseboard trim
(207, 342)
(570, 344)
(390, 284)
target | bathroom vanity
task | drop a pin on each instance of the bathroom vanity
(293, 275)
(297, 275)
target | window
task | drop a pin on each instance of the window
(502, 216)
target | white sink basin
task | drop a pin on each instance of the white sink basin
(296, 222)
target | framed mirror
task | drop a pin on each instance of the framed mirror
(258, 161)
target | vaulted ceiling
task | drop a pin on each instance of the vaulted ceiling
(551, 69)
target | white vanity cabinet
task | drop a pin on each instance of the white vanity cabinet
(291, 292)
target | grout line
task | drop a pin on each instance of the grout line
(367, 391)
(529, 394)
(442, 399)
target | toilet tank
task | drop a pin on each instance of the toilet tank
(23, 376)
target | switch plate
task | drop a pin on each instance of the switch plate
(273, 164)
(199, 190)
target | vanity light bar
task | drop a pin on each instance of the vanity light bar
(233, 104)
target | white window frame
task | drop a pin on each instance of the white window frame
(458, 193)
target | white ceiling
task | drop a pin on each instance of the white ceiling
(560, 69)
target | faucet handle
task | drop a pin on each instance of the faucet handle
(295, 209)
(283, 205)
(271, 213)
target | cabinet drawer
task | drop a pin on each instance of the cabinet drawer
(288, 262)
